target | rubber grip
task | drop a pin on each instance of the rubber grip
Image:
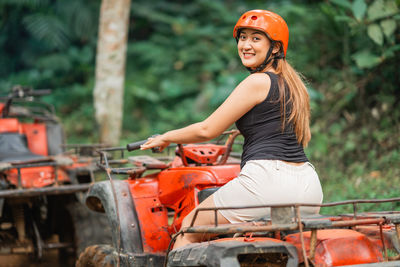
(135, 145)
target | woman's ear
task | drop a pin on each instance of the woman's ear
(277, 47)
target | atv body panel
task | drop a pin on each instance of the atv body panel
(337, 247)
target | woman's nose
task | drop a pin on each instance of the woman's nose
(246, 45)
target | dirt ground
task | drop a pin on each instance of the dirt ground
(50, 259)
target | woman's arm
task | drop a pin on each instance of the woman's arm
(250, 92)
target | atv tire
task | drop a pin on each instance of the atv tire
(97, 256)
(90, 227)
(82, 228)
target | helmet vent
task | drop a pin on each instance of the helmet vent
(253, 17)
(244, 17)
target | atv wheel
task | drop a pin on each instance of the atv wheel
(83, 228)
(90, 227)
(97, 256)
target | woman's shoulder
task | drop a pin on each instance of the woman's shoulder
(258, 85)
(258, 80)
(272, 75)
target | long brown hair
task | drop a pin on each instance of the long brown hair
(298, 101)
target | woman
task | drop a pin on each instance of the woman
(271, 109)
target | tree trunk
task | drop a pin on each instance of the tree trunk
(110, 68)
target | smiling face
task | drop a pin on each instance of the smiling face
(253, 47)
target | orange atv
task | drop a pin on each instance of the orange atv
(41, 186)
(145, 211)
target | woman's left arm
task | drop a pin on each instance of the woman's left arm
(250, 92)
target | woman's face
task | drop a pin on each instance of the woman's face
(253, 47)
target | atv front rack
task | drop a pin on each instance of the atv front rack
(287, 217)
(57, 188)
(54, 190)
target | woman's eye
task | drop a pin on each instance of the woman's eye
(242, 37)
(256, 39)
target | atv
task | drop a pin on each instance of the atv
(145, 211)
(42, 185)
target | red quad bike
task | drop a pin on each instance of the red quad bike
(146, 211)
(42, 217)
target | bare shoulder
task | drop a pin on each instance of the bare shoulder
(258, 84)
(258, 80)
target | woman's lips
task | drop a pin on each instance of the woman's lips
(248, 55)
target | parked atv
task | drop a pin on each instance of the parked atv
(41, 186)
(146, 210)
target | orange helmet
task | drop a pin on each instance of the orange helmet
(266, 21)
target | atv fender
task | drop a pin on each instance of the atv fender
(125, 228)
(234, 253)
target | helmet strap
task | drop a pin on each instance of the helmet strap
(276, 58)
(266, 60)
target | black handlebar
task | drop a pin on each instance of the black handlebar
(39, 92)
(19, 91)
(24, 91)
(135, 145)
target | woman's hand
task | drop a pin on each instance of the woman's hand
(153, 142)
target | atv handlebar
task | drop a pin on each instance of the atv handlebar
(135, 145)
(40, 92)
(19, 91)
(23, 93)
(106, 159)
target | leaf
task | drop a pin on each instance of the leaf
(375, 33)
(380, 9)
(47, 28)
(391, 7)
(390, 52)
(365, 59)
(58, 61)
(359, 7)
(343, 18)
(342, 3)
(375, 10)
(143, 93)
(388, 26)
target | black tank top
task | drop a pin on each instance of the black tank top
(262, 131)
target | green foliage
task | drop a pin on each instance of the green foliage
(175, 72)
(46, 44)
(356, 125)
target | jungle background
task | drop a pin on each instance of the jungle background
(182, 63)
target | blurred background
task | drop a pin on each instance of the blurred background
(181, 63)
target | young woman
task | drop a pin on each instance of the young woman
(271, 109)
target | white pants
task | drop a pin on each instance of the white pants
(267, 182)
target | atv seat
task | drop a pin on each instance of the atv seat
(9, 125)
(14, 148)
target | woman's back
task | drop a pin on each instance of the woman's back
(262, 129)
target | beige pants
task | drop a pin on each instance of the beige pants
(267, 182)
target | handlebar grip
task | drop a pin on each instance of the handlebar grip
(135, 145)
